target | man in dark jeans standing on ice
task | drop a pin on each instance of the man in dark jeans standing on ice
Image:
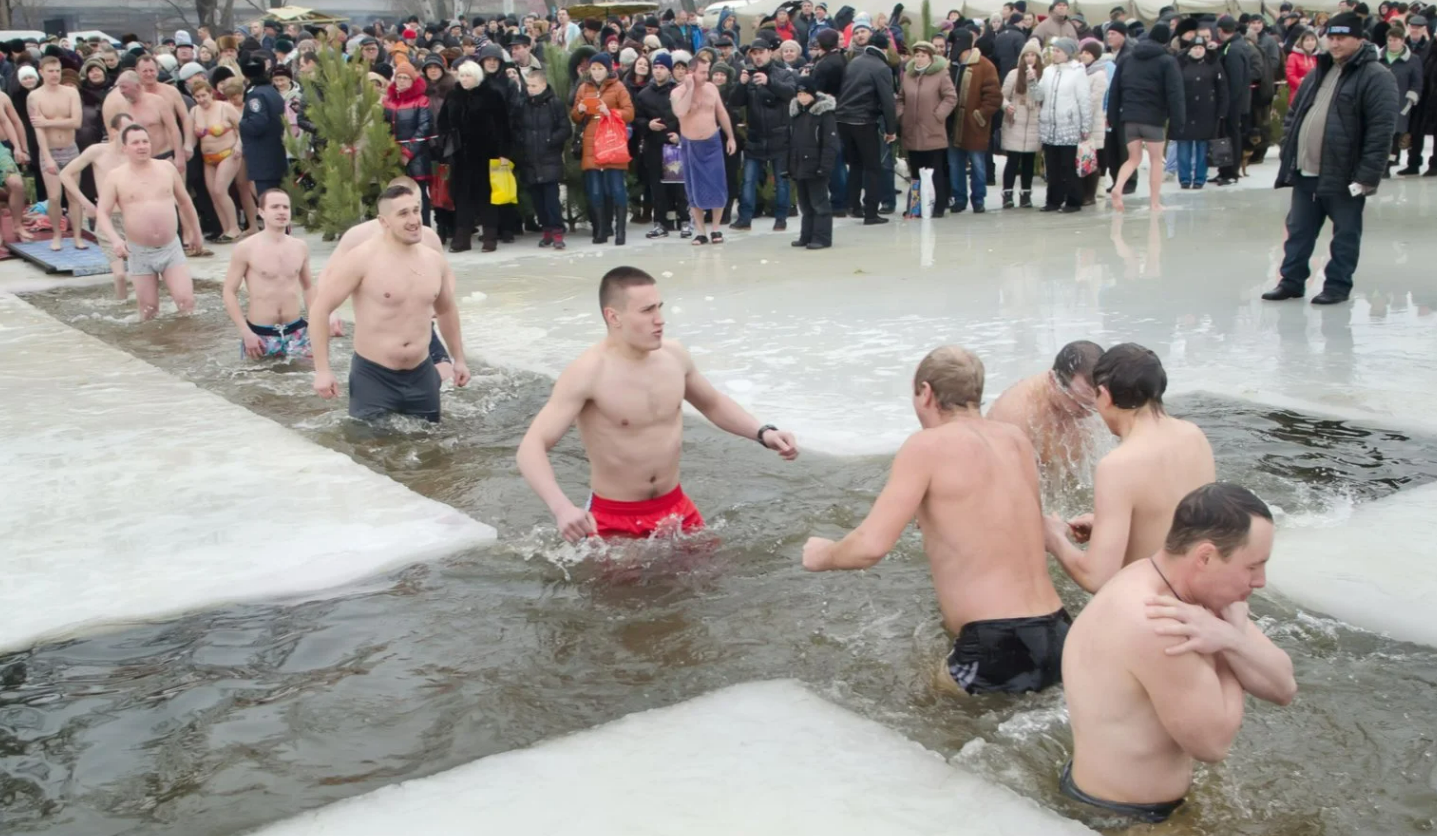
(1334, 149)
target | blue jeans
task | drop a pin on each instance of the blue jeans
(753, 171)
(1170, 158)
(1304, 221)
(1192, 162)
(602, 183)
(959, 175)
(838, 182)
(547, 206)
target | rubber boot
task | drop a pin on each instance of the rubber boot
(602, 215)
(621, 222)
(1007, 198)
(1025, 199)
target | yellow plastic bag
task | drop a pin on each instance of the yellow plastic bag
(503, 188)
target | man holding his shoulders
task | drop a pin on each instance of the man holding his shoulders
(1157, 665)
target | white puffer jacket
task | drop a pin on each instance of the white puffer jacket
(1066, 106)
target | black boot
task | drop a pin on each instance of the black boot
(1007, 198)
(1025, 199)
(621, 221)
(601, 222)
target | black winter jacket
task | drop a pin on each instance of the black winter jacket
(1205, 100)
(653, 102)
(544, 129)
(475, 125)
(261, 129)
(766, 109)
(1359, 129)
(827, 73)
(1407, 71)
(1149, 89)
(813, 149)
(867, 94)
(1237, 66)
(1007, 48)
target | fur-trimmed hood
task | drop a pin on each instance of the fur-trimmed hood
(939, 65)
(822, 104)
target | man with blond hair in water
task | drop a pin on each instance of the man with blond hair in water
(273, 266)
(1157, 665)
(1052, 408)
(398, 286)
(972, 483)
(626, 394)
(1158, 461)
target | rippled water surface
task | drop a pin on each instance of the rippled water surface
(225, 720)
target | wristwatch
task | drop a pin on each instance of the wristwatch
(761, 430)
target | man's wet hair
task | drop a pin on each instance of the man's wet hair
(617, 281)
(1220, 513)
(1133, 375)
(1076, 359)
(955, 375)
(394, 193)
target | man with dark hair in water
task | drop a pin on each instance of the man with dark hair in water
(398, 284)
(1051, 407)
(973, 485)
(1158, 461)
(626, 394)
(1157, 665)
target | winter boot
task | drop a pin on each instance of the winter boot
(548, 239)
(1025, 199)
(559, 239)
(602, 217)
(621, 221)
(1007, 198)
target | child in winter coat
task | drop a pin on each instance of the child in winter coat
(813, 153)
(544, 129)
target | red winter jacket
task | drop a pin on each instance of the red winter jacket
(1299, 64)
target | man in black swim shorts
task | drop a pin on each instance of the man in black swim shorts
(1010, 655)
(439, 356)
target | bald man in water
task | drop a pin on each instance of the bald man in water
(1052, 408)
(973, 485)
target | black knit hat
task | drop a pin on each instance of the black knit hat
(1346, 23)
(828, 39)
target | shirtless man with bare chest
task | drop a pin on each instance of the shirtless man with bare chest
(149, 72)
(13, 132)
(274, 269)
(147, 193)
(1157, 664)
(627, 394)
(367, 231)
(149, 111)
(706, 136)
(1052, 408)
(398, 284)
(973, 485)
(103, 157)
(55, 111)
(1158, 461)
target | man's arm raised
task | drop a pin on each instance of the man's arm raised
(447, 312)
(880, 530)
(342, 278)
(1112, 521)
(571, 392)
(724, 412)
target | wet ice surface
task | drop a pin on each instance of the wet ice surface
(798, 764)
(227, 720)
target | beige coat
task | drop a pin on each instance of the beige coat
(1098, 88)
(1020, 131)
(924, 103)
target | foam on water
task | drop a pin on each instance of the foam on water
(760, 758)
(130, 495)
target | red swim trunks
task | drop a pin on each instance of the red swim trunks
(671, 512)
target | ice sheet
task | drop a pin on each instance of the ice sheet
(1377, 570)
(128, 495)
(760, 758)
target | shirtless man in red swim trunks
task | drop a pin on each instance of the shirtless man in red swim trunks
(627, 394)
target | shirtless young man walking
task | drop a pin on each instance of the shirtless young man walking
(103, 157)
(627, 394)
(1157, 664)
(150, 112)
(1158, 461)
(55, 111)
(368, 231)
(147, 194)
(398, 285)
(699, 108)
(1051, 408)
(274, 268)
(973, 485)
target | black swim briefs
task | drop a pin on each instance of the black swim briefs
(437, 353)
(1010, 655)
(376, 391)
(1149, 813)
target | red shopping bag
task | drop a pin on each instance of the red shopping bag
(611, 141)
(439, 194)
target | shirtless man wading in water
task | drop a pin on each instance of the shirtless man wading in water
(627, 394)
(1157, 664)
(55, 111)
(368, 231)
(1052, 408)
(973, 485)
(147, 194)
(103, 157)
(1159, 460)
(274, 268)
(398, 285)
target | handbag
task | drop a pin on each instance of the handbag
(1087, 158)
(611, 141)
(439, 194)
(503, 188)
(673, 164)
(1219, 152)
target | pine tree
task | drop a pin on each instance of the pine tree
(353, 153)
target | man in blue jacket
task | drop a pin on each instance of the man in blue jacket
(262, 130)
(1334, 149)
